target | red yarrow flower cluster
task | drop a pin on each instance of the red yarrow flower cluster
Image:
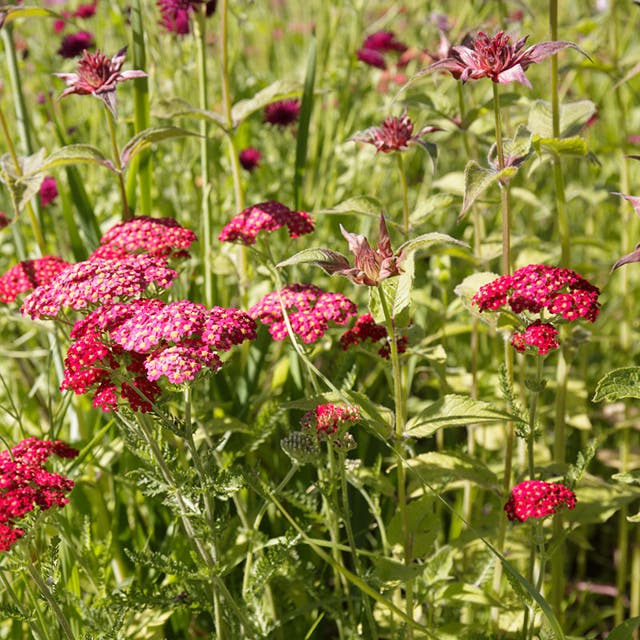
(376, 45)
(265, 216)
(538, 499)
(98, 281)
(25, 484)
(330, 422)
(366, 328)
(541, 336)
(282, 113)
(561, 292)
(28, 275)
(309, 308)
(156, 236)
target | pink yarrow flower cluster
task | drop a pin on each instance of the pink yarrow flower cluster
(366, 328)
(538, 499)
(265, 216)
(309, 308)
(28, 275)
(149, 339)
(25, 484)
(330, 422)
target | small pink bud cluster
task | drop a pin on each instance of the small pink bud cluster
(538, 499)
(365, 328)
(265, 216)
(28, 275)
(330, 422)
(309, 310)
(26, 484)
(539, 335)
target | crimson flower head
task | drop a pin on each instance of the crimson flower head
(366, 328)
(538, 499)
(249, 159)
(540, 336)
(48, 191)
(372, 58)
(377, 44)
(28, 275)
(395, 134)
(175, 13)
(282, 113)
(496, 58)
(99, 75)
(75, 43)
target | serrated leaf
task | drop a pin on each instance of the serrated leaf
(478, 179)
(376, 309)
(279, 90)
(454, 410)
(175, 107)
(618, 384)
(428, 241)
(365, 205)
(574, 146)
(573, 116)
(445, 468)
(72, 154)
(326, 259)
(146, 138)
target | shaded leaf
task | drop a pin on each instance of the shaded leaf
(625, 630)
(454, 411)
(146, 138)
(422, 524)
(618, 384)
(598, 501)
(574, 146)
(279, 90)
(477, 180)
(446, 468)
(632, 477)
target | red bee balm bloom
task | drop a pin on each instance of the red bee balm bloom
(282, 113)
(265, 216)
(393, 135)
(538, 499)
(99, 75)
(28, 275)
(496, 58)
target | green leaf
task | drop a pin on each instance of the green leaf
(422, 524)
(146, 138)
(11, 13)
(625, 630)
(22, 184)
(393, 573)
(634, 519)
(401, 311)
(618, 384)
(327, 259)
(175, 107)
(72, 154)
(428, 241)
(365, 205)
(468, 593)
(574, 146)
(632, 477)
(389, 287)
(573, 116)
(447, 468)
(279, 90)
(599, 500)
(469, 287)
(477, 180)
(454, 411)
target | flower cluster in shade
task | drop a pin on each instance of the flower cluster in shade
(175, 14)
(121, 350)
(309, 310)
(25, 484)
(282, 113)
(538, 499)
(98, 75)
(48, 191)
(395, 134)
(495, 57)
(375, 46)
(265, 216)
(559, 293)
(330, 422)
(29, 274)
(366, 328)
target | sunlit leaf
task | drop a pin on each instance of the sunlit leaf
(478, 179)
(279, 90)
(573, 117)
(146, 138)
(618, 384)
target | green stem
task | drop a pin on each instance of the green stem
(504, 190)
(126, 214)
(405, 194)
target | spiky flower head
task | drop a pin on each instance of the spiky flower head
(98, 75)
(538, 499)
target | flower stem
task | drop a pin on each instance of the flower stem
(405, 194)
(126, 213)
(504, 190)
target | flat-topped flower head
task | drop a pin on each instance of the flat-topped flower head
(561, 292)
(28, 275)
(538, 499)
(395, 134)
(496, 57)
(96, 282)
(26, 484)
(98, 75)
(265, 216)
(282, 113)
(366, 328)
(157, 236)
(309, 308)
(541, 337)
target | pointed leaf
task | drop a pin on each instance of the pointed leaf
(575, 146)
(428, 241)
(477, 180)
(573, 117)
(365, 205)
(175, 107)
(618, 384)
(454, 411)
(376, 309)
(402, 301)
(279, 90)
(329, 260)
(625, 630)
(72, 154)
(146, 138)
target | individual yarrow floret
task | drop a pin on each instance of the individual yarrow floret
(309, 309)
(28, 275)
(538, 499)
(366, 328)
(265, 216)
(25, 484)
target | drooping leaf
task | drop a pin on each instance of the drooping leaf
(279, 90)
(454, 411)
(72, 154)
(428, 241)
(327, 259)
(365, 205)
(573, 117)
(618, 384)
(24, 182)
(146, 138)
(11, 13)
(478, 179)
